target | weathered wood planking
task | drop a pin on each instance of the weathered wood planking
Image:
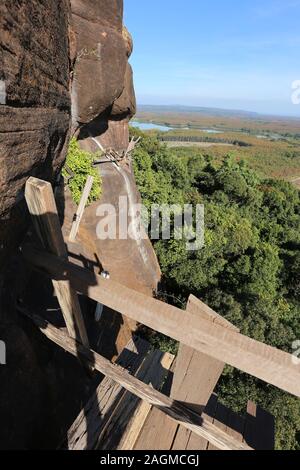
(121, 428)
(135, 427)
(174, 409)
(195, 378)
(84, 432)
(196, 307)
(195, 442)
(42, 207)
(196, 374)
(81, 207)
(260, 360)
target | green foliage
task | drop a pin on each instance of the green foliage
(248, 270)
(80, 163)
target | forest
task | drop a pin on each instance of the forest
(271, 155)
(249, 269)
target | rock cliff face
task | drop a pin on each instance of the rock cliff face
(36, 107)
(103, 96)
(57, 58)
(51, 52)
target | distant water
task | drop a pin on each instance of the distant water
(211, 131)
(148, 126)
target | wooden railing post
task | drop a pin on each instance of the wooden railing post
(42, 207)
(81, 207)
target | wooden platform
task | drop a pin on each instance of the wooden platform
(255, 428)
(113, 417)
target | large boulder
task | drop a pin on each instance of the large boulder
(103, 97)
(101, 57)
(35, 108)
(125, 105)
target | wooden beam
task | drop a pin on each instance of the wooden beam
(194, 380)
(84, 432)
(81, 207)
(174, 409)
(196, 374)
(264, 362)
(196, 307)
(42, 207)
(123, 426)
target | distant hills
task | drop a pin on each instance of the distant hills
(212, 112)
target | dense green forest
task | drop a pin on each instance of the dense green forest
(249, 269)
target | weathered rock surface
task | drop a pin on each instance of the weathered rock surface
(35, 118)
(103, 97)
(101, 57)
(125, 105)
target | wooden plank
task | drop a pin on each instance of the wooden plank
(236, 426)
(81, 207)
(84, 432)
(132, 437)
(174, 409)
(195, 378)
(195, 442)
(259, 428)
(199, 308)
(152, 437)
(153, 371)
(260, 360)
(135, 427)
(196, 374)
(42, 207)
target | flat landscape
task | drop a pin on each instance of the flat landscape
(269, 144)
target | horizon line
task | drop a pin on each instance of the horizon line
(238, 110)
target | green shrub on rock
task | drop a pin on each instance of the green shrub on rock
(80, 163)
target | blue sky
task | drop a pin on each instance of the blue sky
(236, 54)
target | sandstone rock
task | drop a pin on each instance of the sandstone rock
(125, 105)
(35, 118)
(128, 41)
(109, 12)
(116, 135)
(34, 52)
(101, 57)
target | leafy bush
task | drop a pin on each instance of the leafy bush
(80, 163)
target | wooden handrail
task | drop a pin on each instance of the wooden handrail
(264, 362)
